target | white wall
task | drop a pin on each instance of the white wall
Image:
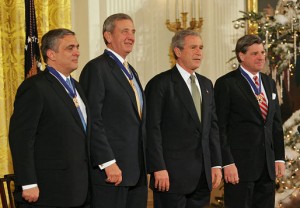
(150, 54)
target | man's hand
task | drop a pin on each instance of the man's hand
(162, 182)
(231, 174)
(216, 176)
(31, 195)
(114, 174)
(279, 169)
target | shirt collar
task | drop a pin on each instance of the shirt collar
(63, 76)
(185, 75)
(117, 55)
(250, 75)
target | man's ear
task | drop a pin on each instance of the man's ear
(242, 56)
(51, 55)
(107, 36)
(177, 52)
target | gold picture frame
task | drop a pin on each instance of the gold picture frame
(252, 5)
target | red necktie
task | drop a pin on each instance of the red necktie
(261, 100)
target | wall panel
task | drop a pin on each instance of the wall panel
(150, 54)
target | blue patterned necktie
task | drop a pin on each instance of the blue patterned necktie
(68, 81)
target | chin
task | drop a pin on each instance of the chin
(196, 66)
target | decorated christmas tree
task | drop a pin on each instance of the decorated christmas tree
(288, 187)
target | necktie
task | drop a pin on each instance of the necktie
(134, 89)
(196, 95)
(68, 81)
(261, 100)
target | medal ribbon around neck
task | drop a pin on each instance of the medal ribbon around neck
(128, 74)
(257, 90)
(64, 83)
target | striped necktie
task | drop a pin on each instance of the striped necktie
(261, 100)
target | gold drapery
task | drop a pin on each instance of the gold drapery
(50, 14)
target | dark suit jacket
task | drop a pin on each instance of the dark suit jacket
(117, 132)
(176, 140)
(48, 142)
(246, 139)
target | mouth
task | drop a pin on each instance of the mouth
(129, 43)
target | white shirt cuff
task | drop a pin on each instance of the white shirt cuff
(29, 186)
(105, 165)
(228, 165)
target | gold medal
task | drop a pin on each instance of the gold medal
(76, 102)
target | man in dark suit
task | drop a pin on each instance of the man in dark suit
(183, 149)
(250, 129)
(116, 100)
(47, 132)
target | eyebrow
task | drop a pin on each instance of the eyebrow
(72, 45)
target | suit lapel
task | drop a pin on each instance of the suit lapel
(121, 78)
(135, 74)
(267, 87)
(84, 100)
(205, 99)
(184, 94)
(62, 93)
(245, 87)
(268, 91)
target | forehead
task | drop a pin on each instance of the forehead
(125, 23)
(255, 47)
(68, 40)
(191, 39)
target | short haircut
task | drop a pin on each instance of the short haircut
(50, 40)
(109, 23)
(244, 42)
(178, 39)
